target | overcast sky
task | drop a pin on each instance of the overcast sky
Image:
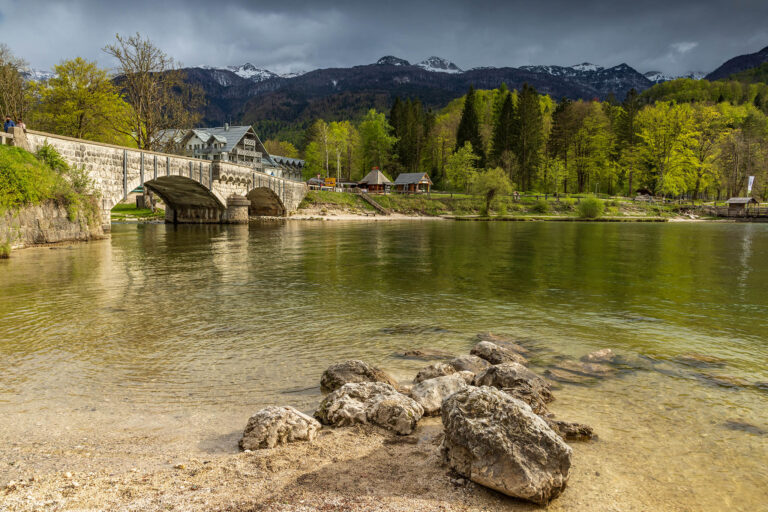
(673, 36)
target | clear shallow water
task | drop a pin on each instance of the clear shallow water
(185, 331)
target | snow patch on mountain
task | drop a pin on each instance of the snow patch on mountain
(658, 76)
(293, 74)
(37, 75)
(439, 65)
(251, 72)
(391, 60)
(587, 67)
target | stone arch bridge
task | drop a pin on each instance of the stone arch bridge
(193, 190)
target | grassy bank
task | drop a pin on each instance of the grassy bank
(466, 205)
(127, 212)
(27, 179)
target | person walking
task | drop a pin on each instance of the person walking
(8, 124)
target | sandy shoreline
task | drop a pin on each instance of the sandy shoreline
(345, 469)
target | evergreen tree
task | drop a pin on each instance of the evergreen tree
(528, 136)
(469, 127)
(502, 130)
(627, 133)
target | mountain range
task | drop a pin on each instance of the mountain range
(276, 102)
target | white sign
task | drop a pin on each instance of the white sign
(751, 182)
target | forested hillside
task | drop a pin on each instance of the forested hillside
(690, 138)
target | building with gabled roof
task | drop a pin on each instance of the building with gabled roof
(375, 181)
(238, 144)
(413, 182)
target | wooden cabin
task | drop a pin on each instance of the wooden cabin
(738, 206)
(413, 183)
(375, 182)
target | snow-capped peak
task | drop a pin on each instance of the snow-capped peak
(439, 65)
(251, 72)
(293, 74)
(391, 60)
(587, 66)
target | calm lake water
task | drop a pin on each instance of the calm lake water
(182, 332)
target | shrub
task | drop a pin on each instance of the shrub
(590, 208)
(540, 206)
(5, 251)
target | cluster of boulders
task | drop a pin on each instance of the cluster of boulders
(498, 430)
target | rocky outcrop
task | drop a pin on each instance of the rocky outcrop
(497, 441)
(370, 402)
(274, 426)
(353, 371)
(503, 341)
(426, 354)
(45, 223)
(469, 363)
(430, 393)
(496, 354)
(513, 376)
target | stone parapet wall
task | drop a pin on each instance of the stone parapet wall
(116, 171)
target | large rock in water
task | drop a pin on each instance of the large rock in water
(512, 376)
(469, 363)
(431, 393)
(274, 425)
(434, 370)
(370, 402)
(353, 371)
(496, 354)
(497, 441)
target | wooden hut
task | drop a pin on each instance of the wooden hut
(375, 182)
(738, 206)
(413, 183)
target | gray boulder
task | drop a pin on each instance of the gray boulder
(511, 376)
(431, 393)
(353, 371)
(434, 370)
(274, 425)
(503, 341)
(370, 402)
(469, 363)
(496, 440)
(496, 354)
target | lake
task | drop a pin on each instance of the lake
(166, 338)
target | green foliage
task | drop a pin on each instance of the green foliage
(376, 141)
(5, 251)
(81, 101)
(527, 136)
(27, 180)
(490, 184)
(461, 167)
(590, 208)
(540, 206)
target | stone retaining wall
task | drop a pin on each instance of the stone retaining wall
(43, 224)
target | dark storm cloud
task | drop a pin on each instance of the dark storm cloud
(293, 35)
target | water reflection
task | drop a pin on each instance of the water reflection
(216, 320)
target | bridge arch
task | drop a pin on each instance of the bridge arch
(264, 201)
(186, 199)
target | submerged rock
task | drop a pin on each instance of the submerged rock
(430, 393)
(744, 427)
(496, 354)
(434, 370)
(353, 371)
(496, 440)
(605, 355)
(426, 354)
(700, 360)
(274, 425)
(503, 341)
(512, 376)
(412, 329)
(724, 381)
(571, 431)
(568, 377)
(597, 370)
(469, 363)
(370, 402)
